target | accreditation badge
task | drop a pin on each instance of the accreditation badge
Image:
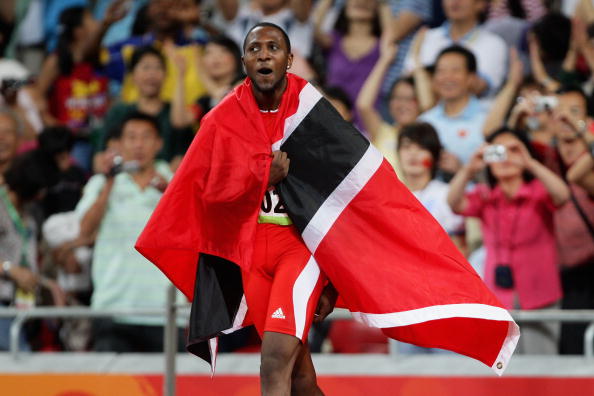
(24, 299)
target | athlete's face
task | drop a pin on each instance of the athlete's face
(266, 58)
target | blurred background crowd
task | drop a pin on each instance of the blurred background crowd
(482, 107)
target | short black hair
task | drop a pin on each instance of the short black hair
(70, 19)
(137, 116)
(522, 136)
(465, 52)
(233, 49)
(553, 33)
(141, 52)
(55, 140)
(271, 25)
(339, 94)
(530, 82)
(423, 134)
(27, 176)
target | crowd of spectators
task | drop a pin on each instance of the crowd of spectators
(482, 107)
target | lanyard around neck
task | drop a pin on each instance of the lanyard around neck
(518, 204)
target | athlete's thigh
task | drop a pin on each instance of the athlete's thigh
(294, 294)
(256, 288)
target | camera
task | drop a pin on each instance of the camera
(545, 103)
(494, 153)
(9, 88)
(119, 166)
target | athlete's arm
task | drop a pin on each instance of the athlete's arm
(326, 303)
(279, 169)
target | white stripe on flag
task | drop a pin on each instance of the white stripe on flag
(421, 315)
(239, 316)
(342, 195)
(308, 98)
(302, 291)
(436, 312)
(507, 350)
(213, 345)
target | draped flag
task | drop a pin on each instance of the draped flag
(393, 265)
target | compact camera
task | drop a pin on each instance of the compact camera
(545, 103)
(9, 88)
(119, 166)
(494, 153)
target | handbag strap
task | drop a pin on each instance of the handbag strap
(582, 213)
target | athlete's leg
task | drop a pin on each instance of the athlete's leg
(303, 379)
(279, 353)
(296, 287)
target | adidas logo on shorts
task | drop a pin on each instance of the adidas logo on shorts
(278, 314)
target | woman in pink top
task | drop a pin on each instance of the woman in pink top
(516, 211)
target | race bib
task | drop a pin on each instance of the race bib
(272, 210)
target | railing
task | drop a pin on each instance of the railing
(172, 310)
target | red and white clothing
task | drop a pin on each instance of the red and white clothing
(284, 283)
(80, 97)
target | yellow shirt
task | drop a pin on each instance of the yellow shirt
(194, 88)
(386, 140)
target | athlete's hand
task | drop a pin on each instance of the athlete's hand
(279, 169)
(326, 303)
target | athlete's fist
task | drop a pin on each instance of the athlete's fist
(279, 169)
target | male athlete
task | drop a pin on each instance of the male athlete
(280, 256)
(221, 234)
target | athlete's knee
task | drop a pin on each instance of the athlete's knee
(274, 363)
(303, 383)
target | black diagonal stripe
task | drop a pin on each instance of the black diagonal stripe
(217, 297)
(323, 150)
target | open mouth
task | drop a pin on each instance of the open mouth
(265, 71)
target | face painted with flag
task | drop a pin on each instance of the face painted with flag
(392, 263)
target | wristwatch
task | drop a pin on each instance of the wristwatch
(6, 266)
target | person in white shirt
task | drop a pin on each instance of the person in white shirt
(418, 152)
(291, 15)
(462, 27)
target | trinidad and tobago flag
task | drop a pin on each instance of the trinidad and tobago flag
(393, 265)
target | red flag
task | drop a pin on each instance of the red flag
(393, 265)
